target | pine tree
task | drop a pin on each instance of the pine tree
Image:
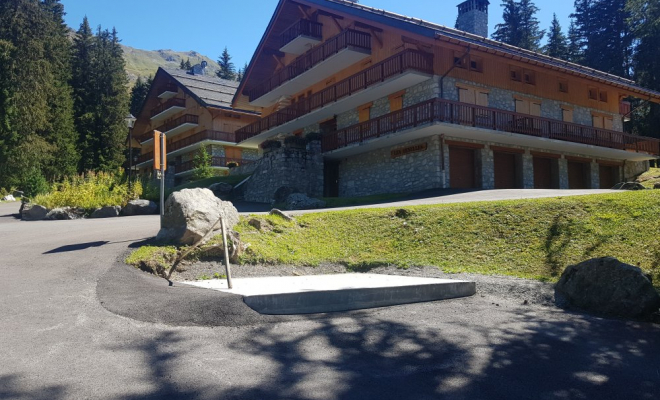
(227, 69)
(520, 27)
(139, 94)
(188, 65)
(202, 164)
(574, 51)
(557, 45)
(241, 73)
(182, 65)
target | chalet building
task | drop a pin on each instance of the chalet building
(193, 110)
(405, 105)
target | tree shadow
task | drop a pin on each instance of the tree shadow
(10, 388)
(84, 246)
(556, 242)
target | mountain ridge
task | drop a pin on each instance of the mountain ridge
(145, 63)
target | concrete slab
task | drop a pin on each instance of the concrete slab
(342, 292)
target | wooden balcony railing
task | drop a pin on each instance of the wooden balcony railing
(303, 27)
(168, 126)
(170, 87)
(438, 110)
(407, 60)
(307, 61)
(174, 102)
(174, 145)
(145, 157)
(215, 162)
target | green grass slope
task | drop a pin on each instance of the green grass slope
(143, 63)
(525, 238)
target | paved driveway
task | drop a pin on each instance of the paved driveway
(58, 341)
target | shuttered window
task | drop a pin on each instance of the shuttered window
(603, 122)
(364, 112)
(473, 96)
(396, 103)
(528, 107)
(567, 115)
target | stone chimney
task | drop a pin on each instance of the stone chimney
(473, 17)
(199, 69)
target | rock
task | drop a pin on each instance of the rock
(139, 207)
(190, 213)
(256, 223)
(656, 186)
(33, 212)
(280, 214)
(300, 201)
(65, 213)
(629, 186)
(106, 212)
(8, 197)
(606, 286)
(221, 189)
(283, 193)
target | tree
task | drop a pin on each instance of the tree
(202, 164)
(139, 94)
(557, 45)
(227, 69)
(574, 50)
(520, 27)
(241, 73)
(185, 65)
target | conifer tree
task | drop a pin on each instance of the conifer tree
(139, 94)
(574, 51)
(227, 69)
(557, 45)
(241, 73)
(182, 65)
(202, 164)
(188, 65)
(520, 27)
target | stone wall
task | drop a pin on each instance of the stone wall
(299, 168)
(377, 172)
(633, 168)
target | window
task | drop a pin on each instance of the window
(233, 152)
(593, 93)
(396, 101)
(602, 96)
(460, 59)
(515, 74)
(364, 112)
(528, 106)
(529, 77)
(602, 121)
(567, 114)
(563, 86)
(472, 95)
(476, 64)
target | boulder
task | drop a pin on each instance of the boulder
(221, 189)
(190, 213)
(283, 193)
(139, 207)
(106, 212)
(606, 286)
(33, 212)
(629, 186)
(65, 213)
(8, 197)
(656, 186)
(300, 201)
(280, 214)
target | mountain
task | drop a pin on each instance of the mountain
(143, 63)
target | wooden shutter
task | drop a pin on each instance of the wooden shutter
(467, 96)
(597, 121)
(233, 152)
(567, 115)
(522, 106)
(396, 103)
(609, 123)
(535, 109)
(482, 99)
(364, 112)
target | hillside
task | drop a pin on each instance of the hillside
(143, 63)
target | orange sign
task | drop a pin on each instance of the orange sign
(158, 137)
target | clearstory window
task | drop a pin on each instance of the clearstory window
(593, 93)
(460, 59)
(602, 96)
(529, 77)
(563, 86)
(476, 64)
(515, 74)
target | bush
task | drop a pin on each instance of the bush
(90, 191)
(271, 144)
(202, 163)
(296, 141)
(34, 184)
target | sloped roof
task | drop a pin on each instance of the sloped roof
(440, 32)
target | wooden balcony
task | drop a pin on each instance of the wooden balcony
(301, 36)
(168, 91)
(173, 146)
(174, 127)
(320, 62)
(468, 115)
(396, 66)
(219, 162)
(168, 108)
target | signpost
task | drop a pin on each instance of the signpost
(160, 165)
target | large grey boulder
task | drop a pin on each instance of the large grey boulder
(190, 214)
(33, 212)
(106, 212)
(65, 213)
(283, 193)
(221, 189)
(139, 207)
(300, 201)
(9, 197)
(606, 286)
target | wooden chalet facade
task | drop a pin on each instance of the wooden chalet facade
(405, 105)
(193, 110)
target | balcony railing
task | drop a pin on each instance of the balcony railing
(175, 102)
(174, 145)
(407, 60)
(184, 119)
(170, 87)
(215, 162)
(453, 112)
(320, 53)
(303, 27)
(145, 157)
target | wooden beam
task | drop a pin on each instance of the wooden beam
(367, 26)
(280, 64)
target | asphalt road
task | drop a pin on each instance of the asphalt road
(58, 341)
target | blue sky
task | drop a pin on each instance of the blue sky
(207, 26)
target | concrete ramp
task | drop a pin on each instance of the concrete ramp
(342, 292)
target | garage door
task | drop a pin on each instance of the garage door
(461, 168)
(543, 173)
(608, 176)
(505, 170)
(576, 175)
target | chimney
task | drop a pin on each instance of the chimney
(473, 17)
(199, 69)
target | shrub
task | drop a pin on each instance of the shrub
(271, 144)
(296, 141)
(90, 191)
(232, 164)
(34, 184)
(202, 163)
(312, 136)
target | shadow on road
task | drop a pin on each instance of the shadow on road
(10, 388)
(84, 246)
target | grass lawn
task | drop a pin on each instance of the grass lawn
(333, 202)
(524, 238)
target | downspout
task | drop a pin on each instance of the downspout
(442, 78)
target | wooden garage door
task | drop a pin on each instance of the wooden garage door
(607, 176)
(505, 170)
(576, 175)
(461, 168)
(543, 173)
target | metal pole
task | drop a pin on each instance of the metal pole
(162, 178)
(130, 159)
(224, 243)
